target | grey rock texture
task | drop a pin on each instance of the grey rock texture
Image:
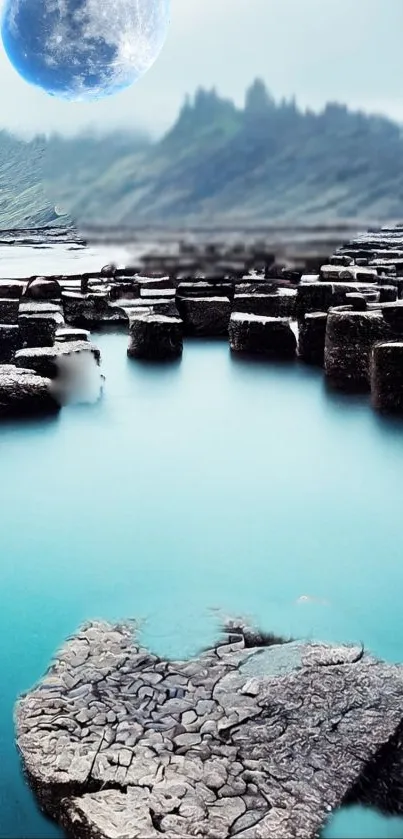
(387, 293)
(9, 307)
(70, 334)
(12, 288)
(43, 288)
(387, 376)
(38, 330)
(87, 310)
(46, 360)
(23, 393)
(10, 341)
(272, 337)
(280, 304)
(129, 289)
(126, 307)
(205, 289)
(311, 338)
(246, 741)
(155, 337)
(205, 316)
(320, 296)
(350, 336)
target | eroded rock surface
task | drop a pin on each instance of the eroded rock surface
(246, 741)
(24, 393)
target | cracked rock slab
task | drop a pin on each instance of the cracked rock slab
(246, 741)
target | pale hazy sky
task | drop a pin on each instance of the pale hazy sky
(319, 50)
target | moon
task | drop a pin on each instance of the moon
(83, 50)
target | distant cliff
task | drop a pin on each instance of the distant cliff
(267, 162)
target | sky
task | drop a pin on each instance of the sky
(317, 50)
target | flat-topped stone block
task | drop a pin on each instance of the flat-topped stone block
(88, 309)
(272, 337)
(46, 360)
(244, 740)
(155, 337)
(387, 376)
(204, 289)
(126, 289)
(320, 296)
(10, 341)
(24, 393)
(282, 303)
(205, 316)
(38, 330)
(353, 273)
(9, 307)
(12, 288)
(311, 338)
(350, 336)
(68, 334)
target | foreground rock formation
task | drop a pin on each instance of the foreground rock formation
(254, 738)
(24, 393)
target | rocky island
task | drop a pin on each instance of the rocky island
(253, 738)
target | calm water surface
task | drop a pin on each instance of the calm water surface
(193, 490)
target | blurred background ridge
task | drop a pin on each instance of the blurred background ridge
(267, 162)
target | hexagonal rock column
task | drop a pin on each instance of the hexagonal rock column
(87, 309)
(70, 334)
(155, 337)
(350, 337)
(10, 341)
(246, 740)
(12, 288)
(387, 376)
(205, 316)
(272, 337)
(37, 330)
(311, 338)
(320, 296)
(23, 393)
(201, 288)
(9, 307)
(280, 304)
(387, 293)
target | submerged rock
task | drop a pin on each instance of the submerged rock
(268, 336)
(155, 337)
(248, 741)
(23, 393)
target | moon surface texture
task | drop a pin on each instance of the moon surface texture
(83, 49)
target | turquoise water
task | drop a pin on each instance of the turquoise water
(192, 490)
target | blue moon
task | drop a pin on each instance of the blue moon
(83, 49)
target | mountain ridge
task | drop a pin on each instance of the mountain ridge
(266, 162)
